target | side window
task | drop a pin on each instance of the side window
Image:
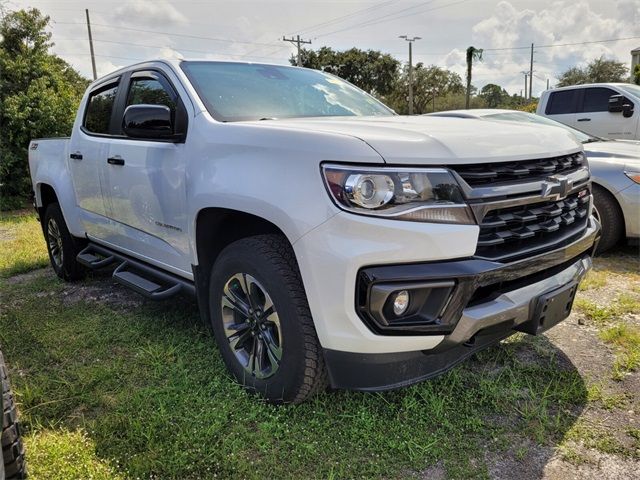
(561, 102)
(151, 92)
(596, 99)
(99, 107)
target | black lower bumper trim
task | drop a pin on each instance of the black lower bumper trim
(386, 371)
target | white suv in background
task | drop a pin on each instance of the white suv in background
(606, 110)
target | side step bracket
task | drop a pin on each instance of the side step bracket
(141, 277)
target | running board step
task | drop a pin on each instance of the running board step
(150, 281)
(92, 259)
(145, 286)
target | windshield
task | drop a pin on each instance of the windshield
(631, 89)
(243, 91)
(531, 118)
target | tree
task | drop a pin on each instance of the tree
(599, 70)
(429, 84)
(636, 74)
(495, 96)
(39, 95)
(371, 70)
(472, 54)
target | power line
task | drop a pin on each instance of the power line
(393, 16)
(175, 48)
(563, 44)
(343, 17)
(215, 39)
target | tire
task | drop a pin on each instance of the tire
(608, 213)
(13, 460)
(61, 245)
(292, 367)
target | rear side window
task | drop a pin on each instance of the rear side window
(99, 107)
(596, 99)
(561, 102)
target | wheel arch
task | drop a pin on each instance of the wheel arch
(215, 228)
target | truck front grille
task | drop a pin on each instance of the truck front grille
(527, 229)
(492, 173)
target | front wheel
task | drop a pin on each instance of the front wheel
(608, 213)
(261, 320)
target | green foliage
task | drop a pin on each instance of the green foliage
(39, 95)
(371, 70)
(636, 74)
(427, 82)
(494, 95)
(599, 70)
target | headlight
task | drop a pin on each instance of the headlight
(413, 194)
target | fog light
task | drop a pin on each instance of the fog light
(401, 302)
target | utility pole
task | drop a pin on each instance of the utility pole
(531, 75)
(410, 40)
(93, 57)
(547, 84)
(297, 42)
(525, 85)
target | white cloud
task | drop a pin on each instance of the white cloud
(560, 22)
(150, 13)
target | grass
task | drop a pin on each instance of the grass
(594, 280)
(23, 248)
(626, 341)
(109, 391)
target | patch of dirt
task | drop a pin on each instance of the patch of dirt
(526, 460)
(103, 290)
(596, 466)
(29, 276)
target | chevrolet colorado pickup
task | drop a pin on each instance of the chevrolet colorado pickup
(327, 240)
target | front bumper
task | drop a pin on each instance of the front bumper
(493, 301)
(629, 201)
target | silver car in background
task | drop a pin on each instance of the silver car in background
(615, 170)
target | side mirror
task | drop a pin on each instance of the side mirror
(149, 121)
(619, 103)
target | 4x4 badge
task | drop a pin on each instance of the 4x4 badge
(556, 187)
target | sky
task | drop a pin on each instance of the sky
(127, 31)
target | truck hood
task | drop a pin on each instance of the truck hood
(437, 140)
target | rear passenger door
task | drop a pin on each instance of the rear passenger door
(146, 191)
(88, 147)
(563, 106)
(594, 116)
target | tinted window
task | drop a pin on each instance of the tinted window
(244, 91)
(150, 91)
(561, 102)
(597, 99)
(99, 107)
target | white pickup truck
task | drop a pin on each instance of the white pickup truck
(328, 241)
(604, 110)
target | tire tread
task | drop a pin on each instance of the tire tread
(13, 454)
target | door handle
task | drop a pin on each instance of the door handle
(75, 156)
(584, 119)
(117, 160)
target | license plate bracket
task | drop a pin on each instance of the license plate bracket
(550, 309)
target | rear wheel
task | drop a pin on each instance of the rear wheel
(61, 245)
(12, 448)
(608, 213)
(262, 322)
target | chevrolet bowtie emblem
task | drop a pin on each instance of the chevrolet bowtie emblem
(556, 187)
